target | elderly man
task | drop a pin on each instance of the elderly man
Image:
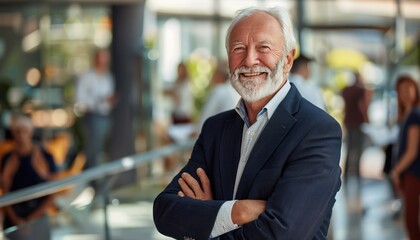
(268, 169)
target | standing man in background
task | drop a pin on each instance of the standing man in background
(95, 94)
(300, 76)
(356, 102)
(268, 169)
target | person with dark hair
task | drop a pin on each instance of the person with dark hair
(300, 75)
(27, 164)
(268, 169)
(406, 172)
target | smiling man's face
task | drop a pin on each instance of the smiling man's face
(256, 56)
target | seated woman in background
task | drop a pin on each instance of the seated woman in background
(27, 164)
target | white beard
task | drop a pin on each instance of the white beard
(255, 88)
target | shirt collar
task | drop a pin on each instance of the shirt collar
(269, 108)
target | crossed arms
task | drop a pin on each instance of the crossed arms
(290, 201)
(243, 211)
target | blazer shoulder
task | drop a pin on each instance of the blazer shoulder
(316, 115)
(215, 123)
(222, 117)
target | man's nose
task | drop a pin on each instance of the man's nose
(251, 58)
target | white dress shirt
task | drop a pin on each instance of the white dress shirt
(93, 90)
(184, 102)
(223, 223)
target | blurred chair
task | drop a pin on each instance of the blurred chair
(59, 147)
(70, 163)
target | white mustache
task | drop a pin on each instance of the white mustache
(252, 70)
(255, 88)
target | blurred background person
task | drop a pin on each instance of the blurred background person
(181, 127)
(27, 164)
(300, 75)
(356, 102)
(406, 172)
(222, 96)
(182, 97)
(95, 94)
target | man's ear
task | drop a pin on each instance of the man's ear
(289, 61)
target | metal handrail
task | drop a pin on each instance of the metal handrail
(111, 168)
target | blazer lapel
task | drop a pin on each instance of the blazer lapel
(277, 128)
(229, 152)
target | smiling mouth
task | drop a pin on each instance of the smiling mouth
(253, 74)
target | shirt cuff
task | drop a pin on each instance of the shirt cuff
(223, 223)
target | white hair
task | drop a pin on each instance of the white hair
(20, 119)
(278, 13)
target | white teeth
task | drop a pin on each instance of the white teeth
(251, 74)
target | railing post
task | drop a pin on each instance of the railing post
(106, 222)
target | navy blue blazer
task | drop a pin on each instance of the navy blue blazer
(294, 166)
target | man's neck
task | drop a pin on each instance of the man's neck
(253, 108)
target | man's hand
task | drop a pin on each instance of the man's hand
(191, 188)
(245, 211)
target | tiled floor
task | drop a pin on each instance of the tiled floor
(366, 210)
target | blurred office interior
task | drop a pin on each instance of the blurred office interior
(45, 45)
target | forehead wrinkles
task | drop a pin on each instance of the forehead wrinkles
(259, 27)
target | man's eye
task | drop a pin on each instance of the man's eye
(238, 49)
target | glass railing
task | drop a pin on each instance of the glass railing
(110, 201)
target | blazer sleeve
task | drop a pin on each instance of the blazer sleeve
(184, 217)
(300, 205)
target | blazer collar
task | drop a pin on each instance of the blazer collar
(229, 152)
(277, 128)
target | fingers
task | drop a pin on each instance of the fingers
(192, 183)
(190, 187)
(205, 183)
(186, 189)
